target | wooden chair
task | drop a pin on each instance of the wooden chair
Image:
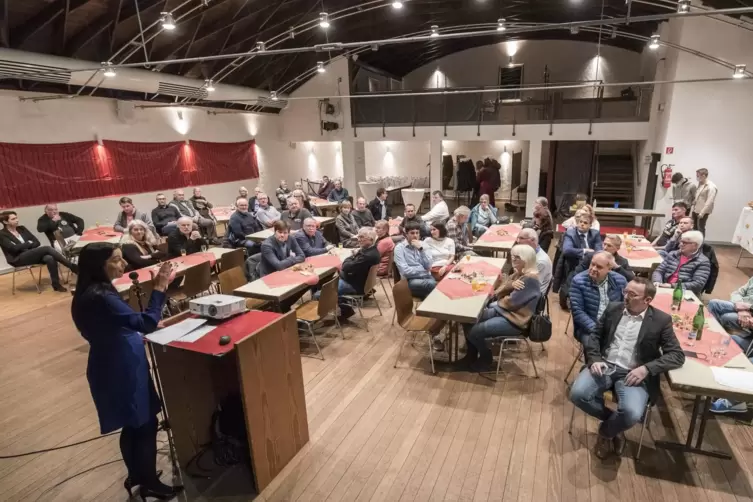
(314, 311)
(387, 277)
(233, 259)
(395, 279)
(197, 280)
(357, 300)
(407, 320)
(234, 278)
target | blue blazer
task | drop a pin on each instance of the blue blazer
(311, 246)
(584, 300)
(118, 371)
(274, 257)
(572, 246)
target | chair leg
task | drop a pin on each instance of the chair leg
(577, 358)
(400, 350)
(543, 349)
(499, 359)
(567, 326)
(360, 312)
(311, 330)
(378, 306)
(385, 293)
(572, 417)
(394, 314)
(646, 418)
(337, 323)
(431, 354)
(38, 284)
(530, 353)
(13, 285)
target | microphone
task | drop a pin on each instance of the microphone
(134, 276)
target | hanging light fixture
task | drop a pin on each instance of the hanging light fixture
(273, 95)
(397, 4)
(653, 44)
(167, 20)
(683, 6)
(739, 71)
(574, 30)
(109, 70)
(434, 30)
(261, 46)
(320, 67)
(209, 85)
(501, 24)
(324, 20)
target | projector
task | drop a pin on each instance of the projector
(218, 306)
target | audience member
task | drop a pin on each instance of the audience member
(528, 237)
(440, 249)
(673, 244)
(362, 214)
(128, 213)
(267, 215)
(71, 226)
(347, 228)
(631, 346)
(413, 263)
(303, 200)
(410, 216)
(253, 202)
(165, 216)
(591, 291)
(679, 211)
(612, 244)
(688, 265)
(311, 240)
(295, 215)
(185, 208)
(282, 193)
(201, 204)
(703, 205)
(139, 246)
(483, 215)
(580, 241)
(21, 248)
(458, 231)
(278, 251)
(586, 209)
(540, 203)
(439, 212)
(355, 269)
(489, 179)
(683, 190)
(544, 226)
(509, 311)
(385, 246)
(325, 187)
(338, 193)
(242, 223)
(297, 185)
(378, 207)
(184, 240)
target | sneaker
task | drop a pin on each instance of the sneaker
(437, 344)
(618, 444)
(603, 447)
(726, 406)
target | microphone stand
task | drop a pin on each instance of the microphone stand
(165, 423)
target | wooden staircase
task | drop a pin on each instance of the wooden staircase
(615, 184)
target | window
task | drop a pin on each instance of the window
(511, 77)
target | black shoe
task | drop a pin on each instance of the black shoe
(482, 366)
(59, 288)
(618, 444)
(346, 313)
(159, 492)
(74, 268)
(129, 485)
(603, 447)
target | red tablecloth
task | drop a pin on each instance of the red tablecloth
(458, 288)
(99, 234)
(186, 261)
(325, 260)
(288, 278)
(317, 200)
(237, 328)
(491, 234)
(480, 266)
(642, 253)
(702, 347)
(222, 213)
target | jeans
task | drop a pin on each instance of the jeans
(491, 324)
(420, 288)
(208, 227)
(138, 446)
(699, 223)
(343, 288)
(169, 228)
(479, 230)
(726, 314)
(43, 255)
(587, 394)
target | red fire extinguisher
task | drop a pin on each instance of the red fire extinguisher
(667, 175)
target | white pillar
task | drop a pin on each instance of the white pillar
(435, 172)
(354, 166)
(534, 172)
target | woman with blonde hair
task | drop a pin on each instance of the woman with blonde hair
(509, 311)
(139, 246)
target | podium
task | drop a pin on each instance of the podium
(262, 363)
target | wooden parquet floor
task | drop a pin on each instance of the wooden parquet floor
(377, 433)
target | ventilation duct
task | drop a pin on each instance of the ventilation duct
(23, 65)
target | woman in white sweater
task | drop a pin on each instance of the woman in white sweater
(440, 248)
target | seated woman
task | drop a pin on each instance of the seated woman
(586, 209)
(509, 311)
(139, 246)
(347, 228)
(21, 249)
(441, 250)
(544, 226)
(385, 246)
(483, 215)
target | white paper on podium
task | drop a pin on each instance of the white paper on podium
(735, 379)
(197, 334)
(172, 333)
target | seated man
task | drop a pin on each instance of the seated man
(615, 360)
(71, 226)
(282, 193)
(325, 187)
(679, 211)
(673, 243)
(21, 248)
(483, 216)
(385, 245)
(267, 215)
(279, 252)
(688, 265)
(241, 224)
(378, 207)
(529, 237)
(338, 193)
(577, 242)
(347, 228)
(128, 213)
(201, 204)
(362, 214)
(311, 240)
(735, 315)
(612, 243)
(294, 215)
(413, 263)
(458, 231)
(184, 239)
(185, 208)
(410, 216)
(253, 202)
(591, 292)
(242, 194)
(356, 268)
(165, 216)
(439, 211)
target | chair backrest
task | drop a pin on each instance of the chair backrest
(146, 289)
(162, 247)
(232, 279)
(233, 259)
(403, 302)
(390, 264)
(328, 298)
(371, 279)
(197, 279)
(58, 234)
(395, 270)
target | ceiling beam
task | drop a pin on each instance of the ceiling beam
(114, 12)
(88, 35)
(41, 20)
(61, 29)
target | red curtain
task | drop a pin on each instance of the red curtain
(38, 174)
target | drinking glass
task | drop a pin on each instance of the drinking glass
(183, 252)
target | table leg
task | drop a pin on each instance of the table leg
(450, 337)
(687, 447)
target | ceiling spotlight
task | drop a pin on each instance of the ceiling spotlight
(501, 24)
(324, 20)
(434, 30)
(739, 71)
(683, 6)
(320, 67)
(167, 20)
(397, 4)
(109, 70)
(208, 85)
(261, 47)
(273, 95)
(653, 44)
(574, 30)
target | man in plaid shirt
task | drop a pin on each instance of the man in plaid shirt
(457, 230)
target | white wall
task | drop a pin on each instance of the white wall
(397, 158)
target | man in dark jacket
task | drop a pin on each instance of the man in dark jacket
(362, 214)
(311, 240)
(278, 251)
(184, 239)
(356, 268)
(185, 208)
(631, 346)
(52, 219)
(242, 223)
(577, 242)
(325, 188)
(295, 215)
(201, 204)
(165, 217)
(410, 216)
(612, 245)
(378, 207)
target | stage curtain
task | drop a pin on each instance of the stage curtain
(39, 174)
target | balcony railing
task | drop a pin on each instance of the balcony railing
(486, 108)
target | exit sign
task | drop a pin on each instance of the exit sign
(670, 150)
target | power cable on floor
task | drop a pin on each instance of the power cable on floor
(5, 457)
(75, 476)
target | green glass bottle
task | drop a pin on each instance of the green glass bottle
(677, 296)
(698, 322)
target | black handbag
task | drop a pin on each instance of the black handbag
(540, 329)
